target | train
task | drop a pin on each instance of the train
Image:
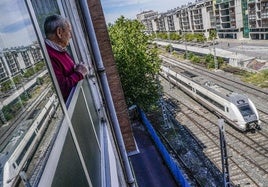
(27, 145)
(236, 109)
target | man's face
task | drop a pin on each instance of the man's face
(64, 35)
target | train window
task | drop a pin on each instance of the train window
(27, 96)
(215, 103)
(246, 110)
(20, 155)
(181, 82)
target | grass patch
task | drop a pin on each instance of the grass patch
(259, 79)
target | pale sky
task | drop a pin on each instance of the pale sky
(113, 9)
(15, 24)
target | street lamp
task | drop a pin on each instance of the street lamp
(186, 51)
(224, 155)
(169, 42)
(24, 90)
(215, 57)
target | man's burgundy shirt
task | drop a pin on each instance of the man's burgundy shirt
(63, 66)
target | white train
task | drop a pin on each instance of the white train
(19, 157)
(237, 109)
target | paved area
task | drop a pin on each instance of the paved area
(210, 50)
(148, 165)
(254, 48)
(249, 54)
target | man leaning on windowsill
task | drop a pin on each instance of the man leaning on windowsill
(58, 35)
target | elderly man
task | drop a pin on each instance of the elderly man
(58, 34)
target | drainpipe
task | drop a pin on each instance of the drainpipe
(106, 90)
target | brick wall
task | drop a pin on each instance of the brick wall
(112, 73)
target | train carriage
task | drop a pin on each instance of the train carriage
(237, 109)
(19, 157)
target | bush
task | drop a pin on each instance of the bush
(17, 79)
(169, 48)
(196, 59)
(6, 86)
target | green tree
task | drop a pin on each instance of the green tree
(169, 48)
(137, 62)
(209, 60)
(200, 37)
(212, 34)
(196, 59)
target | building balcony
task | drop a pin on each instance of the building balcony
(225, 21)
(218, 27)
(251, 1)
(252, 17)
(221, 1)
(264, 15)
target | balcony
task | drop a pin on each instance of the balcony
(221, 1)
(225, 13)
(264, 15)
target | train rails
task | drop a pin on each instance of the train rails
(38, 116)
(248, 151)
(5, 132)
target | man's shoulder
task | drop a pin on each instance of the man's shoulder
(52, 52)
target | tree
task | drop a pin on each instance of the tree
(137, 62)
(212, 34)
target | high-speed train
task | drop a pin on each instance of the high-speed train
(19, 157)
(237, 109)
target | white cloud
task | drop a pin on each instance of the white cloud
(15, 25)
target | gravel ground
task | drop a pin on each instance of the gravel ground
(189, 150)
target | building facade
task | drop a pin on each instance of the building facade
(233, 19)
(15, 60)
(258, 19)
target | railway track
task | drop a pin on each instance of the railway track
(6, 133)
(187, 151)
(225, 80)
(248, 161)
(263, 117)
(172, 150)
(24, 153)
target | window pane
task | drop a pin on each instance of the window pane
(30, 114)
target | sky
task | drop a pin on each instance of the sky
(113, 9)
(15, 24)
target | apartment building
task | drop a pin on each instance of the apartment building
(191, 18)
(233, 19)
(258, 19)
(14, 60)
(143, 18)
(169, 21)
(229, 19)
(158, 23)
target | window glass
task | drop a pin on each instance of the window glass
(82, 113)
(30, 114)
(246, 111)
